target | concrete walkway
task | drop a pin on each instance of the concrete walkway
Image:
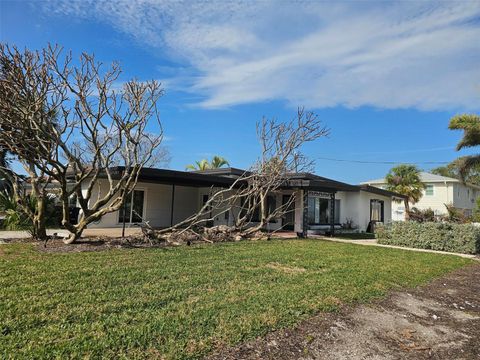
(373, 242)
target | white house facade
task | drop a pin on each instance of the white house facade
(166, 197)
(439, 191)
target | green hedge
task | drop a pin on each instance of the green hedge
(461, 238)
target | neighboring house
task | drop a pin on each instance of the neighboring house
(165, 197)
(439, 190)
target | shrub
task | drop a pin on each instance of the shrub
(16, 219)
(422, 215)
(461, 238)
(457, 215)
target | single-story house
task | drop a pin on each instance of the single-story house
(165, 197)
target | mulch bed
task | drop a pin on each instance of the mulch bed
(89, 244)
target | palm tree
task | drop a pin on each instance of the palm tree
(455, 169)
(470, 124)
(405, 180)
(204, 164)
(218, 162)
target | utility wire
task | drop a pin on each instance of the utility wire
(383, 162)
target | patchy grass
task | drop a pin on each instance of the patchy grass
(183, 302)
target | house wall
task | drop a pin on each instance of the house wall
(188, 200)
(354, 205)
(464, 197)
(459, 195)
(357, 208)
(442, 194)
(157, 204)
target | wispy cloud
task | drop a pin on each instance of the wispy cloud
(422, 55)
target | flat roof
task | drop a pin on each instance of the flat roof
(182, 178)
(225, 177)
(378, 191)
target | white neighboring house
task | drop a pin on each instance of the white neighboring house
(439, 190)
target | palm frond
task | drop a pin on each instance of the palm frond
(218, 162)
(470, 124)
(465, 164)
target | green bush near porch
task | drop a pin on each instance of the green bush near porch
(459, 238)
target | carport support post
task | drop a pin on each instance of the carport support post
(305, 214)
(124, 214)
(332, 214)
(171, 207)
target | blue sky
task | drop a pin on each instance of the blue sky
(385, 77)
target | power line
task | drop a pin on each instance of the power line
(384, 162)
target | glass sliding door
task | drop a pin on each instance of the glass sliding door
(132, 211)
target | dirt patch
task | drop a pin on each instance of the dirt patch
(438, 321)
(285, 268)
(89, 244)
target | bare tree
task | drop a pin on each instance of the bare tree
(74, 126)
(281, 144)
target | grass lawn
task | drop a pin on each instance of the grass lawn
(183, 302)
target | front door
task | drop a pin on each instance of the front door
(289, 217)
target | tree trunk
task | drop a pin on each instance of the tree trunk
(75, 231)
(407, 209)
(39, 229)
(263, 212)
(73, 238)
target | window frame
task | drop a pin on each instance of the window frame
(327, 215)
(144, 207)
(382, 209)
(429, 187)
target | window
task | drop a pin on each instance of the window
(132, 211)
(271, 205)
(376, 210)
(429, 190)
(319, 211)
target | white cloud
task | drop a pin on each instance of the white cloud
(422, 55)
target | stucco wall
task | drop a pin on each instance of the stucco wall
(442, 194)
(464, 197)
(158, 198)
(157, 204)
(354, 205)
(459, 195)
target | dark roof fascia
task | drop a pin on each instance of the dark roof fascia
(319, 185)
(212, 177)
(378, 191)
(304, 181)
(223, 172)
(181, 178)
